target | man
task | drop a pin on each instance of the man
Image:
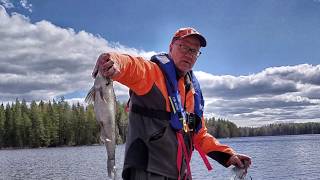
(166, 111)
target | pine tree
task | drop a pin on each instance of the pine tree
(8, 137)
(83, 125)
(26, 124)
(211, 126)
(2, 119)
(76, 124)
(92, 126)
(53, 124)
(17, 124)
(233, 129)
(65, 123)
(121, 123)
(37, 133)
(61, 122)
(43, 112)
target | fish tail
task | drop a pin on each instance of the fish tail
(90, 96)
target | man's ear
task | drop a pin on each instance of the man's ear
(170, 48)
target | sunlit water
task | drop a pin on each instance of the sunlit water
(274, 157)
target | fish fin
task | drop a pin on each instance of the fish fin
(102, 140)
(102, 96)
(90, 96)
(105, 100)
(95, 70)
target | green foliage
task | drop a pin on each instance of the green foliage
(37, 136)
(56, 123)
(225, 129)
(122, 123)
(2, 120)
(8, 137)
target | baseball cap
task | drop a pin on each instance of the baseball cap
(188, 31)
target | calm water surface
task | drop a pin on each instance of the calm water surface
(274, 157)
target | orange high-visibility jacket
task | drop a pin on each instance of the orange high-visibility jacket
(151, 143)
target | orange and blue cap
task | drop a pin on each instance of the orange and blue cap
(188, 31)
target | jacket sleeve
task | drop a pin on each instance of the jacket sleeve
(135, 72)
(211, 146)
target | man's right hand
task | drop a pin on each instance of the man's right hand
(107, 67)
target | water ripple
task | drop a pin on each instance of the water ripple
(278, 157)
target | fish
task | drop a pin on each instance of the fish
(104, 102)
(241, 173)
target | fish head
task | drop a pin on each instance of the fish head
(102, 82)
(104, 87)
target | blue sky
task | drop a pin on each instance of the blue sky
(261, 64)
(243, 36)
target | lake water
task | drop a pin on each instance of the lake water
(274, 157)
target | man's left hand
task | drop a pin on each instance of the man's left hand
(240, 161)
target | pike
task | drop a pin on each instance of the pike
(104, 101)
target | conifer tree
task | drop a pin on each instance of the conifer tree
(8, 137)
(43, 113)
(17, 124)
(26, 124)
(92, 126)
(77, 121)
(121, 123)
(53, 124)
(65, 123)
(2, 119)
(58, 123)
(37, 134)
(82, 123)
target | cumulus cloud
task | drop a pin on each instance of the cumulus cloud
(277, 94)
(6, 3)
(12, 4)
(26, 5)
(44, 61)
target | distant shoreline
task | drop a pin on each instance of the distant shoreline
(20, 148)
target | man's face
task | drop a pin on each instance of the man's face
(184, 53)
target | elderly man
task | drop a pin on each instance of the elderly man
(166, 120)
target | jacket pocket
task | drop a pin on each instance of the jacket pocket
(158, 134)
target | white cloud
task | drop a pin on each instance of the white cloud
(277, 94)
(41, 61)
(6, 4)
(44, 61)
(13, 4)
(26, 5)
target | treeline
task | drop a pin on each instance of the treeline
(225, 129)
(55, 123)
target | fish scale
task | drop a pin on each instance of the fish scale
(104, 101)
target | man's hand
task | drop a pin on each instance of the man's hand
(240, 161)
(107, 67)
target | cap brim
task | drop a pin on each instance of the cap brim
(203, 42)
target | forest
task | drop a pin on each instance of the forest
(57, 123)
